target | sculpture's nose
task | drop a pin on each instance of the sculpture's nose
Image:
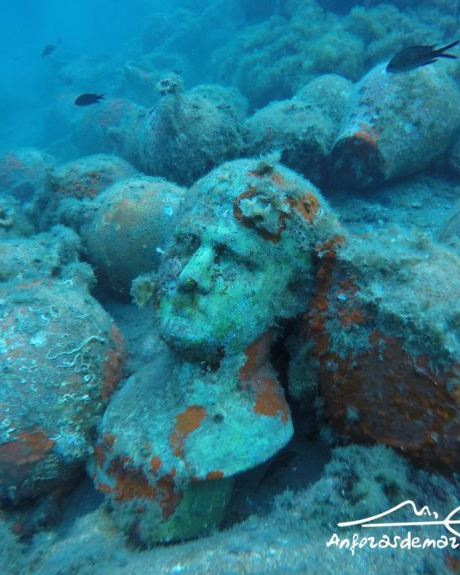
(197, 274)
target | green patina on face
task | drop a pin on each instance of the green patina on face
(201, 509)
(232, 283)
(240, 263)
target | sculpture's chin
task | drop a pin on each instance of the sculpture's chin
(191, 339)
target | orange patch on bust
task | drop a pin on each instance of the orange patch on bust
(186, 422)
(256, 355)
(190, 419)
(217, 474)
(270, 399)
(251, 222)
(307, 206)
(170, 498)
(278, 179)
(130, 483)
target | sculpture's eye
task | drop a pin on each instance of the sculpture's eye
(187, 242)
(226, 253)
(222, 251)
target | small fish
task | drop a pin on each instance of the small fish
(416, 56)
(47, 50)
(88, 99)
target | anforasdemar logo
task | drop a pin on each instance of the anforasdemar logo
(406, 541)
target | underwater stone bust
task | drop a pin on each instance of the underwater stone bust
(240, 261)
(210, 405)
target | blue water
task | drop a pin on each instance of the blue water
(110, 32)
(29, 88)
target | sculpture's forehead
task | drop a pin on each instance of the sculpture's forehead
(227, 232)
(210, 208)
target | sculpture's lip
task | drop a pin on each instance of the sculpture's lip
(187, 308)
(180, 329)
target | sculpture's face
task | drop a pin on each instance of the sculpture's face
(229, 287)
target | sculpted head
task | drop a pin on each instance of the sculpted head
(240, 262)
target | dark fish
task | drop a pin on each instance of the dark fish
(416, 56)
(88, 99)
(47, 50)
